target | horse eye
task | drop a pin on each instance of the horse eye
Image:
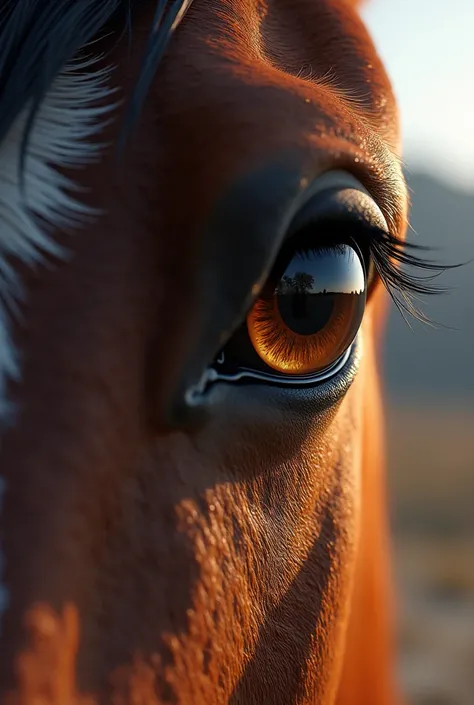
(310, 318)
(306, 317)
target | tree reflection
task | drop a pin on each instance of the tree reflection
(301, 283)
(296, 290)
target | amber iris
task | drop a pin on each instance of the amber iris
(311, 316)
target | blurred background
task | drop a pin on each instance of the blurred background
(429, 52)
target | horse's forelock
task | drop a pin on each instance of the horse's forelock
(39, 195)
(39, 78)
(52, 103)
(37, 39)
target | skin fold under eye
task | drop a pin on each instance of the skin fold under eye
(307, 318)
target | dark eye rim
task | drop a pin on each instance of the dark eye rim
(221, 371)
(280, 379)
(246, 378)
(335, 231)
(304, 240)
(360, 224)
(345, 206)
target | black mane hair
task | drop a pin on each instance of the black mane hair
(38, 37)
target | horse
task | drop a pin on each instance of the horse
(202, 216)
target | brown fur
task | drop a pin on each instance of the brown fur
(245, 561)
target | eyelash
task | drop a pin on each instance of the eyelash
(390, 256)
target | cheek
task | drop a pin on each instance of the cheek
(272, 537)
(227, 555)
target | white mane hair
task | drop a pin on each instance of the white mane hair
(35, 197)
(53, 105)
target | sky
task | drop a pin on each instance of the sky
(428, 49)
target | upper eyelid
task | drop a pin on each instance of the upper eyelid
(306, 214)
(337, 194)
(389, 254)
(338, 202)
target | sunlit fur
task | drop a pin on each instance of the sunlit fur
(235, 557)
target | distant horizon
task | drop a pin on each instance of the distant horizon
(414, 169)
(430, 166)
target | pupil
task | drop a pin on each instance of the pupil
(305, 313)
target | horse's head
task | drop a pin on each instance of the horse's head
(189, 400)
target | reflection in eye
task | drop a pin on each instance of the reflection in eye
(307, 319)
